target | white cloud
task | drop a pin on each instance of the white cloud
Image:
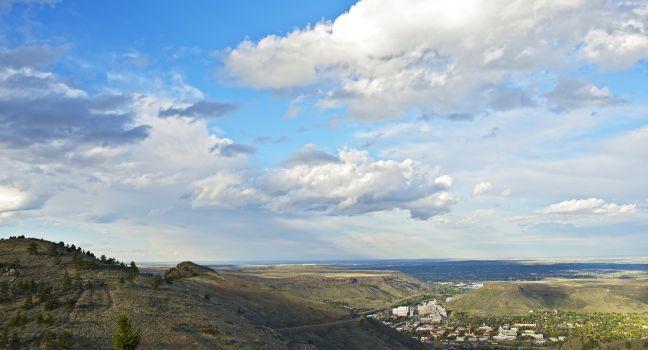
(620, 44)
(482, 188)
(589, 206)
(383, 58)
(14, 200)
(225, 190)
(507, 192)
(357, 184)
(350, 184)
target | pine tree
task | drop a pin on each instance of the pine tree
(125, 337)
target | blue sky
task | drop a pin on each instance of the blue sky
(255, 130)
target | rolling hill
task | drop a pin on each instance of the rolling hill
(592, 295)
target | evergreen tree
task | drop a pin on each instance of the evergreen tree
(133, 268)
(125, 337)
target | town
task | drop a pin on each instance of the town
(429, 322)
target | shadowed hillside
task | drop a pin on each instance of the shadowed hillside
(59, 296)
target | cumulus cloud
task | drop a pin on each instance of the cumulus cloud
(199, 110)
(381, 59)
(14, 199)
(622, 43)
(353, 183)
(38, 108)
(482, 188)
(226, 190)
(350, 184)
(570, 94)
(589, 206)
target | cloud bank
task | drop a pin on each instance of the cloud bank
(381, 59)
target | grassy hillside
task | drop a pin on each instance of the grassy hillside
(517, 298)
(55, 296)
(72, 293)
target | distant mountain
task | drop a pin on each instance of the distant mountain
(57, 296)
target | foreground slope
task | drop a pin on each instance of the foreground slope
(518, 298)
(58, 296)
(86, 295)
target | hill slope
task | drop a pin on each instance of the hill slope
(517, 298)
(355, 289)
(61, 296)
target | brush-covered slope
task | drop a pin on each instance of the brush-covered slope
(75, 298)
(56, 297)
(513, 298)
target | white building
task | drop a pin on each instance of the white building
(401, 311)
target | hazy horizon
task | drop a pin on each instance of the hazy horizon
(326, 130)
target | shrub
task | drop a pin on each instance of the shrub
(125, 337)
(54, 341)
(53, 250)
(18, 320)
(28, 302)
(67, 281)
(14, 342)
(32, 248)
(52, 303)
(157, 280)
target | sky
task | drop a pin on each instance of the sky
(326, 130)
